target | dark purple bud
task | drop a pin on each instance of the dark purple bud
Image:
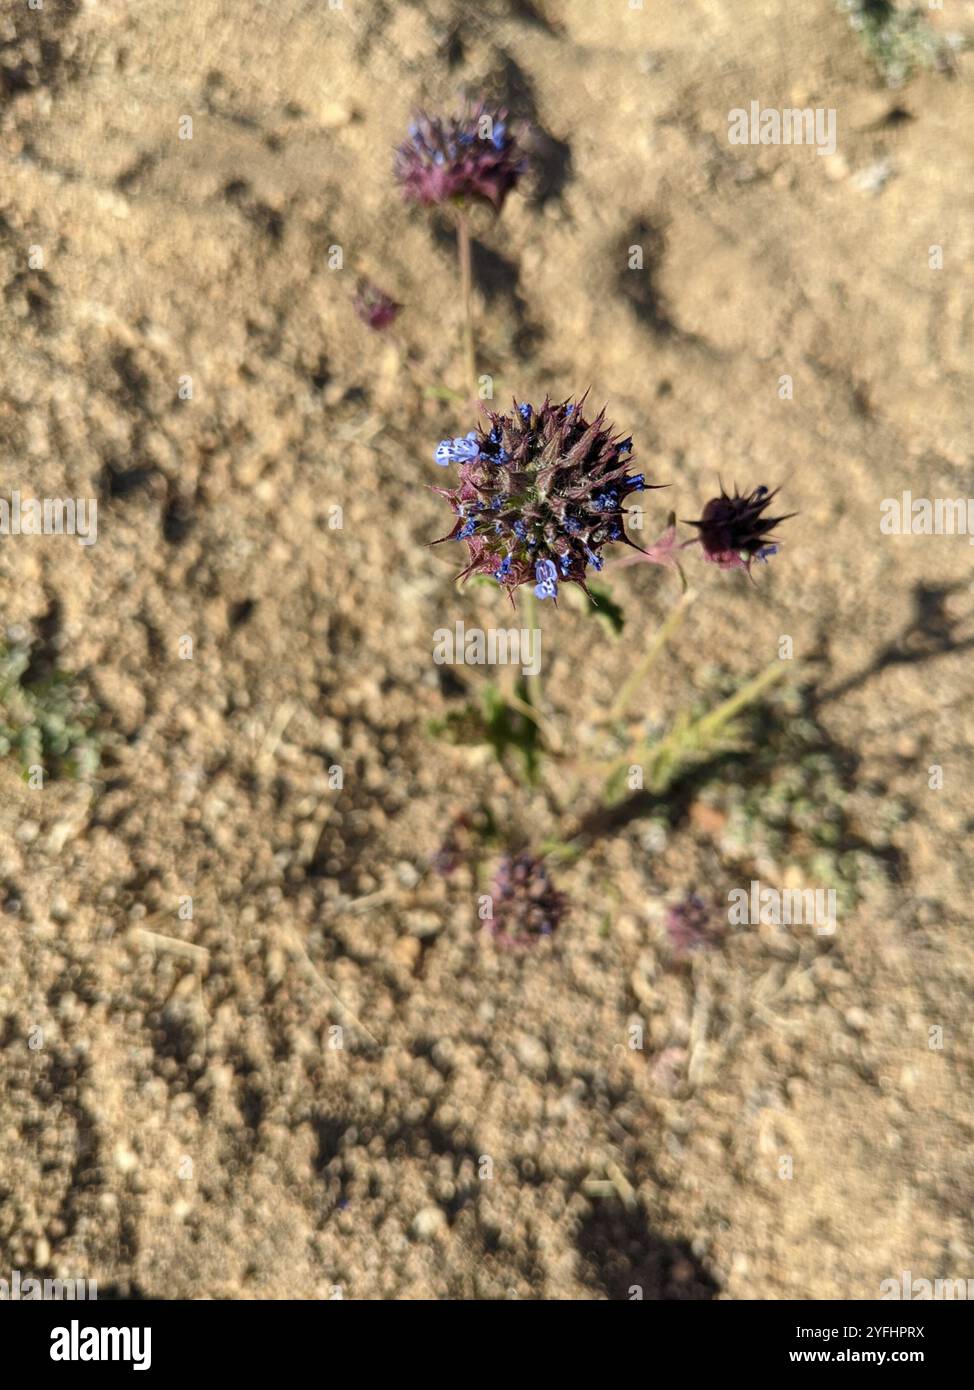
(448, 857)
(734, 530)
(374, 307)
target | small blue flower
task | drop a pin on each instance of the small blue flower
(500, 130)
(524, 410)
(566, 564)
(492, 450)
(572, 526)
(466, 450)
(547, 577)
(766, 552)
(593, 559)
(467, 530)
(503, 569)
(520, 530)
(626, 446)
(637, 483)
(444, 453)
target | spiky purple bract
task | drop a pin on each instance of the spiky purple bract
(471, 158)
(525, 904)
(540, 494)
(734, 530)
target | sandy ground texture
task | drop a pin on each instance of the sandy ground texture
(180, 1117)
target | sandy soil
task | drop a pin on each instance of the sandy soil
(183, 1124)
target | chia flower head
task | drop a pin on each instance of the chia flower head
(734, 530)
(374, 307)
(540, 494)
(691, 925)
(473, 157)
(525, 903)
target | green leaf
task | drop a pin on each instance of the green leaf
(603, 606)
(505, 729)
(508, 730)
(559, 851)
(616, 786)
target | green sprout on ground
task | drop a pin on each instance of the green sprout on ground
(797, 799)
(46, 724)
(697, 734)
(510, 720)
(898, 38)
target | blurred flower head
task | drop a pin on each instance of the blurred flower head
(525, 903)
(374, 307)
(692, 925)
(540, 495)
(734, 530)
(473, 157)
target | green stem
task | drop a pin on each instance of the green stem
(532, 684)
(466, 292)
(714, 723)
(685, 741)
(663, 635)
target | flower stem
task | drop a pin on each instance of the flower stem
(713, 724)
(687, 740)
(532, 684)
(466, 291)
(660, 639)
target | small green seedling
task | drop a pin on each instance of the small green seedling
(46, 724)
